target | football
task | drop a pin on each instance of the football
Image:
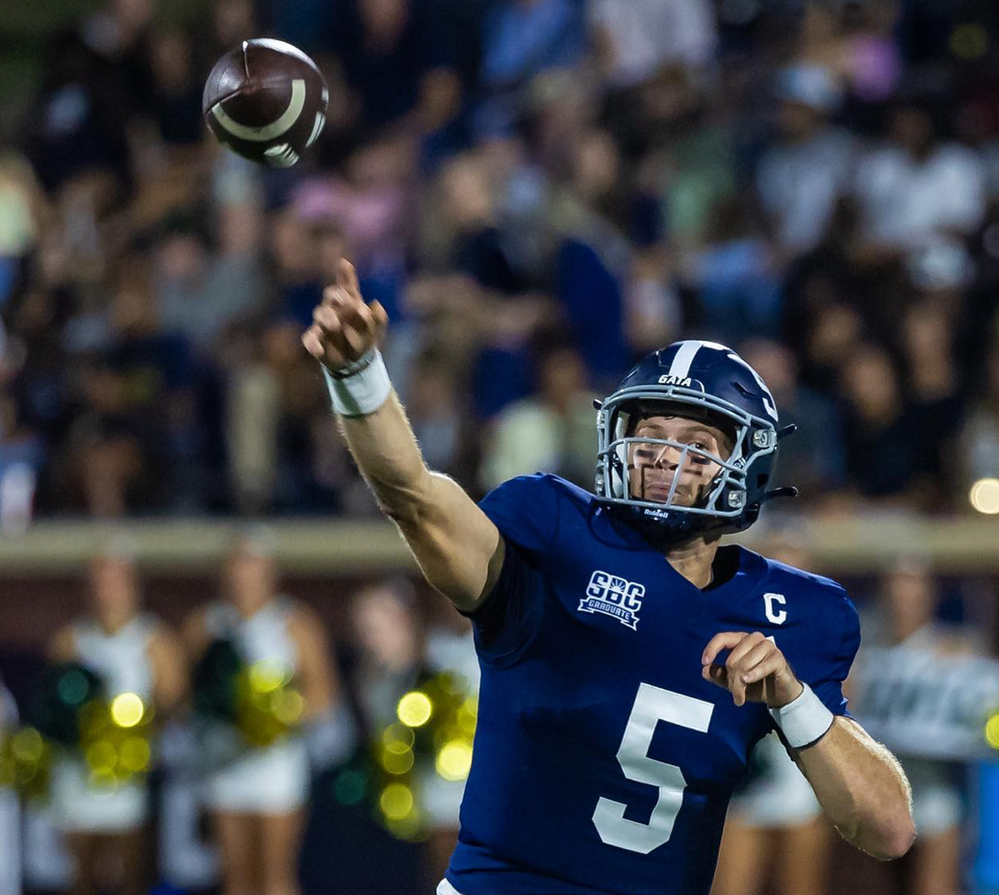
(266, 100)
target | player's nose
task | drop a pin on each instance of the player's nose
(669, 457)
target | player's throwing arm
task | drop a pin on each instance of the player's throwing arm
(459, 549)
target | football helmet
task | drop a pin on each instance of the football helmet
(708, 382)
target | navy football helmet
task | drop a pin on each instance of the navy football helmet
(704, 381)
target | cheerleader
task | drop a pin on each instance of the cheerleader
(256, 798)
(104, 820)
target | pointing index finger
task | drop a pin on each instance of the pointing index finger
(346, 277)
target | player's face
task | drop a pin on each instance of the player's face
(653, 467)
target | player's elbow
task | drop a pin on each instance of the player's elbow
(901, 837)
(893, 838)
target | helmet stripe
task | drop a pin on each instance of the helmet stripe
(683, 358)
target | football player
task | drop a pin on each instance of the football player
(629, 661)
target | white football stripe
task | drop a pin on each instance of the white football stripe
(267, 131)
(317, 128)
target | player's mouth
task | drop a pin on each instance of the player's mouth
(658, 490)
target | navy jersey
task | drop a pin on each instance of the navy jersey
(603, 761)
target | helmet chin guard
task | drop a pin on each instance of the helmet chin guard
(711, 383)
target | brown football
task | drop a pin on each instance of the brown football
(266, 100)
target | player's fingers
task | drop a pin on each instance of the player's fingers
(356, 343)
(745, 646)
(380, 317)
(771, 663)
(725, 640)
(346, 277)
(358, 317)
(319, 345)
(716, 674)
(759, 653)
(313, 343)
(326, 318)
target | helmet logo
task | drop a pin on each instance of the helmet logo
(682, 381)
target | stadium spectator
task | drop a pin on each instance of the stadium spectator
(553, 431)
(520, 40)
(807, 169)
(633, 39)
(883, 460)
(812, 460)
(914, 186)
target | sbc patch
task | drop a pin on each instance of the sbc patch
(613, 596)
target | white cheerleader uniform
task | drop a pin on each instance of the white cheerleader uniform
(266, 779)
(780, 796)
(121, 660)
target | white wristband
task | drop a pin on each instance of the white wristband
(805, 720)
(360, 388)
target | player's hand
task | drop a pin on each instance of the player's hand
(344, 328)
(755, 670)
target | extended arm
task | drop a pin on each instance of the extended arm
(862, 789)
(459, 550)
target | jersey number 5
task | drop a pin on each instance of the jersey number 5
(652, 705)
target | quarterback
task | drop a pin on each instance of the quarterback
(630, 662)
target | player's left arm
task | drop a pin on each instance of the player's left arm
(858, 782)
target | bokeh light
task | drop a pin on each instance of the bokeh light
(349, 787)
(396, 801)
(984, 496)
(454, 760)
(72, 687)
(415, 709)
(992, 731)
(268, 675)
(101, 757)
(288, 707)
(134, 755)
(127, 709)
(397, 762)
(969, 41)
(27, 745)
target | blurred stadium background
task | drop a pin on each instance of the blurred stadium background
(538, 191)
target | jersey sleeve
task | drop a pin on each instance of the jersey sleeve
(838, 640)
(526, 512)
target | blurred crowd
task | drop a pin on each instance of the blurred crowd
(539, 192)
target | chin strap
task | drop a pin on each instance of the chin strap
(786, 491)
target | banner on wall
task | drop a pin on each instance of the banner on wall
(919, 701)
